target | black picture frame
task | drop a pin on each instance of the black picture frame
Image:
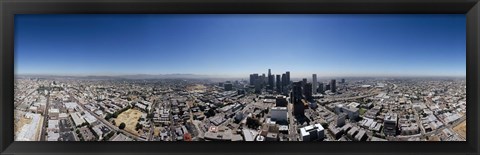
(9, 8)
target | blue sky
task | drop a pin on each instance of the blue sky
(237, 45)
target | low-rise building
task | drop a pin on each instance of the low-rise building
(53, 136)
(53, 126)
(121, 137)
(361, 136)
(53, 113)
(279, 115)
(87, 135)
(390, 124)
(312, 133)
(218, 134)
(77, 118)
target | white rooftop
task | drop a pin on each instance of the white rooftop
(29, 131)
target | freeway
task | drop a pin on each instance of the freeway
(372, 91)
(352, 98)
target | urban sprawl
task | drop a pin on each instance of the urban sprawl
(263, 107)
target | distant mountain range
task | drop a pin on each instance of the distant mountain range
(132, 76)
(163, 76)
(211, 77)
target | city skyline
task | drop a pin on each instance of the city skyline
(234, 45)
(244, 77)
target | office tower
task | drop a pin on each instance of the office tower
(327, 87)
(304, 82)
(296, 92)
(390, 124)
(273, 82)
(240, 91)
(288, 77)
(314, 83)
(264, 80)
(320, 88)
(341, 119)
(258, 86)
(281, 101)
(270, 80)
(254, 79)
(297, 99)
(251, 79)
(284, 80)
(279, 115)
(333, 86)
(228, 86)
(352, 112)
(284, 84)
(307, 92)
(343, 80)
(279, 84)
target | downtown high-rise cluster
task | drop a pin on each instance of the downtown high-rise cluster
(282, 83)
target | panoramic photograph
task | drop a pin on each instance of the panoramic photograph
(232, 77)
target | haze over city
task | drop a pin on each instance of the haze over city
(236, 45)
(311, 78)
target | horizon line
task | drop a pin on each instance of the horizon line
(226, 76)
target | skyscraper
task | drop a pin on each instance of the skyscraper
(251, 79)
(307, 91)
(296, 92)
(228, 86)
(343, 80)
(304, 82)
(314, 83)
(320, 88)
(258, 86)
(284, 80)
(288, 77)
(333, 85)
(274, 81)
(279, 84)
(264, 80)
(298, 105)
(271, 80)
